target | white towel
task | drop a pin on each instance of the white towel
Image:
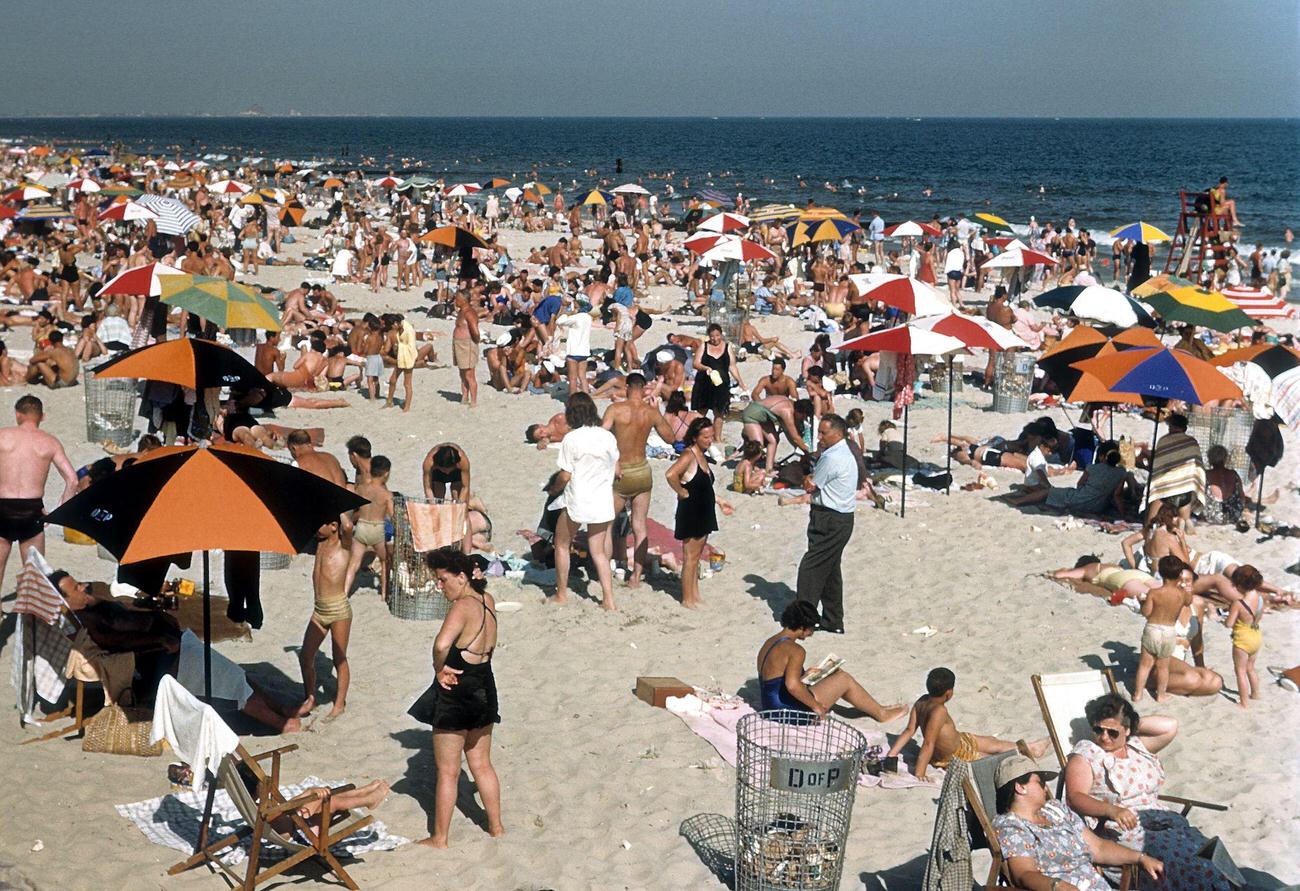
(228, 679)
(195, 731)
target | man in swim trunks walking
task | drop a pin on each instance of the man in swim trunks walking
(26, 453)
(630, 422)
(331, 615)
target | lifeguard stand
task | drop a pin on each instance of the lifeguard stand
(1200, 234)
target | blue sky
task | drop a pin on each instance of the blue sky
(1185, 58)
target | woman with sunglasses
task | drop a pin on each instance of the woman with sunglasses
(1113, 781)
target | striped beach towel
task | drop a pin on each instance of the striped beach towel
(36, 595)
(1259, 303)
(1286, 397)
(1176, 468)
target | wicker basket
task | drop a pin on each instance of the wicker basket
(271, 560)
(121, 731)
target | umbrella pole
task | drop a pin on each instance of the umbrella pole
(902, 510)
(1259, 499)
(948, 488)
(207, 633)
(1155, 433)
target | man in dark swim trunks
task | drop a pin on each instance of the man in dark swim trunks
(26, 453)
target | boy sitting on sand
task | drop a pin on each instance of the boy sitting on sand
(941, 740)
(1159, 638)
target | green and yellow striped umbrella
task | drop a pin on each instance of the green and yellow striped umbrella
(771, 212)
(995, 222)
(1194, 306)
(226, 303)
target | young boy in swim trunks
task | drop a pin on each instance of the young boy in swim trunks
(941, 740)
(331, 616)
(370, 521)
(1159, 638)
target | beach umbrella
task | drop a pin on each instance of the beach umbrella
(176, 500)
(185, 180)
(225, 303)
(595, 196)
(27, 192)
(1195, 306)
(911, 229)
(460, 190)
(1160, 374)
(539, 188)
(174, 217)
(713, 196)
(1096, 303)
(140, 281)
(975, 332)
(332, 182)
(292, 214)
(1259, 303)
(1084, 342)
(1014, 257)
(496, 182)
(910, 295)
(253, 198)
(386, 182)
(43, 212)
(993, 221)
(631, 189)
(1089, 389)
(84, 185)
(1273, 358)
(229, 187)
(125, 211)
(1140, 231)
(530, 196)
(275, 196)
(1286, 397)
(723, 223)
(774, 212)
(1163, 282)
(828, 229)
(187, 362)
(735, 248)
(118, 190)
(453, 237)
(914, 340)
(7, 213)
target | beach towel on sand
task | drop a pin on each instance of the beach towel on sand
(717, 726)
(1177, 468)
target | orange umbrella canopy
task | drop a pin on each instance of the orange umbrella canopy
(1089, 389)
(186, 362)
(1161, 374)
(453, 237)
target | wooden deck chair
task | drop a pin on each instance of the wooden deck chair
(1062, 698)
(75, 709)
(981, 805)
(260, 810)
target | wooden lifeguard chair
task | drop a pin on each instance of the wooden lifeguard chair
(1201, 233)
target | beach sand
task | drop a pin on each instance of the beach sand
(595, 783)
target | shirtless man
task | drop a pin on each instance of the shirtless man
(268, 358)
(1159, 637)
(998, 312)
(777, 383)
(323, 464)
(370, 347)
(557, 255)
(26, 453)
(56, 367)
(630, 421)
(761, 418)
(331, 615)
(310, 365)
(552, 431)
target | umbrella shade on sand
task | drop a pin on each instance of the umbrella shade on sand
(453, 237)
(187, 362)
(1140, 231)
(225, 303)
(1194, 306)
(163, 504)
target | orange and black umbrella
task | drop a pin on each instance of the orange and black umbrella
(453, 237)
(292, 214)
(185, 498)
(1273, 358)
(187, 362)
(496, 182)
(1085, 342)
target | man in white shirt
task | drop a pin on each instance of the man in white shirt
(834, 486)
(954, 268)
(876, 230)
(576, 326)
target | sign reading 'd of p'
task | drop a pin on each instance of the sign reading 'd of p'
(811, 777)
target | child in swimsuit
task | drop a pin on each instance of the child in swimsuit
(1247, 640)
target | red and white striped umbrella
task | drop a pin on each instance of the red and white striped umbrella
(229, 187)
(713, 246)
(911, 339)
(125, 211)
(27, 192)
(723, 223)
(1259, 303)
(142, 281)
(460, 190)
(1018, 257)
(84, 184)
(387, 182)
(974, 331)
(911, 229)
(908, 294)
(171, 167)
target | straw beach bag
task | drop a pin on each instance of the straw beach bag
(121, 731)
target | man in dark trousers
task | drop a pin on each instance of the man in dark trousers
(833, 486)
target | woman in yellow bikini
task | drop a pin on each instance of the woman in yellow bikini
(1243, 618)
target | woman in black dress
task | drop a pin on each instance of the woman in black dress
(692, 480)
(715, 369)
(461, 704)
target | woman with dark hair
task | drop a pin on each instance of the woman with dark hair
(446, 467)
(1046, 846)
(1113, 781)
(461, 704)
(587, 460)
(679, 416)
(692, 480)
(715, 370)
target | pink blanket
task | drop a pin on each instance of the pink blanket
(717, 727)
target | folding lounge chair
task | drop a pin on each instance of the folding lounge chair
(981, 806)
(75, 710)
(1062, 698)
(259, 810)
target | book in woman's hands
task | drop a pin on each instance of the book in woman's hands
(823, 670)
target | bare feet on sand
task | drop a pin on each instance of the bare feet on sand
(338, 709)
(433, 841)
(558, 599)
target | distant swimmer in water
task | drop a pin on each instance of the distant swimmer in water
(927, 192)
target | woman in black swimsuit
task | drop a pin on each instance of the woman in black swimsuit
(692, 480)
(461, 704)
(446, 467)
(714, 357)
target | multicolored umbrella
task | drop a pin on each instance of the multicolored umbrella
(116, 190)
(595, 196)
(770, 213)
(125, 211)
(225, 303)
(1260, 303)
(229, 187)
(386, 182)
(1087, 388)
(822, 213)
(829, 229)
(141, 281)
(1159, 283)
(43, 212)
(26, 192)
(1273, 358)
(84, 185)
(1194, 306)
(723, 223)
(187, 362)
(1161, 373)
(733, 247)
(460, 190)
(453, 237)
(496, 182)
(994, 222)
(1097, 303)
(713, 196)
(902, 292)
(292, 213)
(1018, 256)
(539, 188)
(1141, 232)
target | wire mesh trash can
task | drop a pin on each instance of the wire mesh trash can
(1013, 379)
(1228, 427)
(939, 376)
(270, 560)
(412, 588)
(728, 316)
(796, 777)
(110, 409)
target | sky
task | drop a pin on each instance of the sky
(1042, 58)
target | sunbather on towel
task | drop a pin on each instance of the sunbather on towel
(941, 741)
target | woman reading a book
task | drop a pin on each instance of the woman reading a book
(785, 685)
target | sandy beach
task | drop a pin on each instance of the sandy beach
(596, 783)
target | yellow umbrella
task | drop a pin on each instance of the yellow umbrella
(226, 303)
(538, 188)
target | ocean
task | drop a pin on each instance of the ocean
(1102, 172)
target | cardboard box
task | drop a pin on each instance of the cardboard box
(656, 691)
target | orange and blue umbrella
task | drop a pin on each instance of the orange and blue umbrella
(1161, 373)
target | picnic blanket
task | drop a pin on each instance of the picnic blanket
(717, 726)
(173, 822)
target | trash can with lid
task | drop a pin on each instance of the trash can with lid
(796, 777)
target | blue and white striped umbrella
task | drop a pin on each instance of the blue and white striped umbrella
(174, 218)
